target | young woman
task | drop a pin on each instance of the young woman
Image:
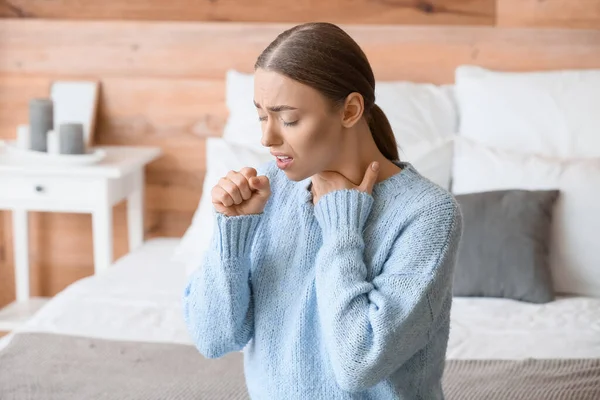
(331, 267)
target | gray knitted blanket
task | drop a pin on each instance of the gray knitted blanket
(51, 366)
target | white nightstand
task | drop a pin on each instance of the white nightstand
(90, 189)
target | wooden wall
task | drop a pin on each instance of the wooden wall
(157, 89)
(523, 13)
(470, 12)
(580, 14)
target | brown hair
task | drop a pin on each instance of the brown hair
(324, 57)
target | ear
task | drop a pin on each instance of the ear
(353, 109)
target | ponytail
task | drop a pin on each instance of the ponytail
(382, 134)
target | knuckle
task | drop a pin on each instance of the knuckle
(244, 183)
(223, 182)
(234, 188)
(248, 171)
(225, 199)
(228, 185)
(237, 179)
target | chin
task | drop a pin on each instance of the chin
(296, 176)
(292, 176)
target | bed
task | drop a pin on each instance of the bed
(131, 315)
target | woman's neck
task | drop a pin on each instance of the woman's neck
(358, 151)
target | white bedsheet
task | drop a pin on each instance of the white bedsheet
(139, 298)
(505, 329)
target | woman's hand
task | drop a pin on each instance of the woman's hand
(326, 182)
(241, 193)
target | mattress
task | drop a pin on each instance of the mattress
(139, 299)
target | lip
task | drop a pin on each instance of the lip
(283, 164)
(275, 154)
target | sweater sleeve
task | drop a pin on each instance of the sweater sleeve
(217, 303)
(371, 328)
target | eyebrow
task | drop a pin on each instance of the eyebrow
(276, 108)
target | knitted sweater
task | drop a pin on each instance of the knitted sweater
(346, 299)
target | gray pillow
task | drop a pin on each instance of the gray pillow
(504, 251)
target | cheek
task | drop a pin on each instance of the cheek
(314, 144)
(317, 137)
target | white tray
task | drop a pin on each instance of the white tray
(9, 149)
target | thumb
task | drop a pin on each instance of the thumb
(260, 184)
(370, 178)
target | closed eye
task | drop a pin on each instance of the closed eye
(262, 119)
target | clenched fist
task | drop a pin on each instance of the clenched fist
(241, 193)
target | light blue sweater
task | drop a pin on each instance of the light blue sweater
(348, 299)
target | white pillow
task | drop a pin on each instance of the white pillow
(242, 125)
(551, 113)
(423, 117)
(574, 257)
(424, 120)
(221, 157)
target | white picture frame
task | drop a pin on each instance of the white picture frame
(76, 101)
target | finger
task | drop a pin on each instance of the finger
(232, 189)
(248, 172)
(242, 183)
(370, 178)
(260, 184)
(220, 196)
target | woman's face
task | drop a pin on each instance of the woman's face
(297, 122)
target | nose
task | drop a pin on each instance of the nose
(269, 137)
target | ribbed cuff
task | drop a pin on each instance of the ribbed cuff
(233, 236)
(343, 208)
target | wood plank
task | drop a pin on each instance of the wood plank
(458, 12)
(7, 273)
(182, 50)
(579, 14)
(15, 93)
(7, 10)
(135, 107)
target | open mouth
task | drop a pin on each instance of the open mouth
(284, 161)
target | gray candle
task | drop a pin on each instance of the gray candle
(71, 138)
(41, 120)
